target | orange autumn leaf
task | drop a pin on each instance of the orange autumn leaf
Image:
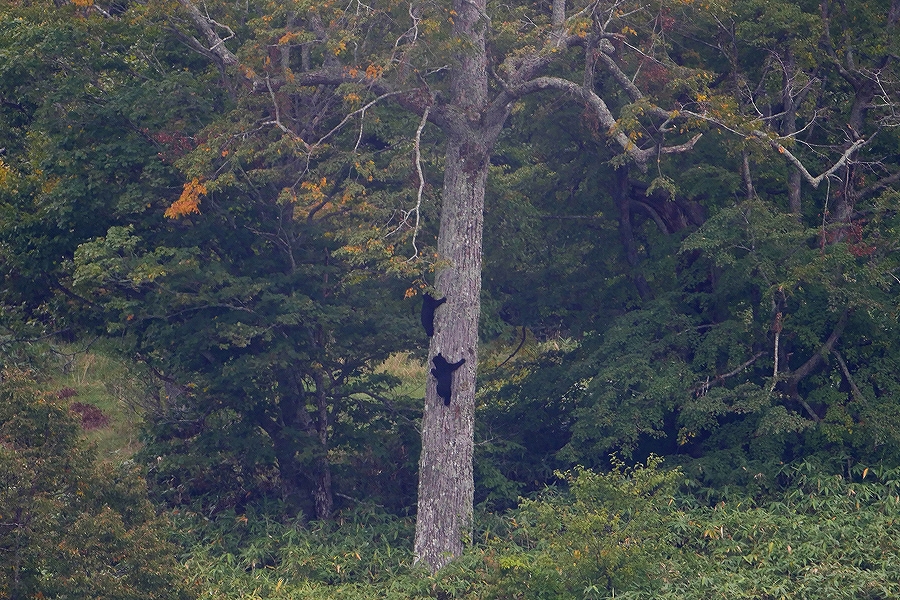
(374, 71)
(189, 201)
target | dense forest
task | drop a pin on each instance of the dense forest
(463, 299)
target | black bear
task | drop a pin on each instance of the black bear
(429, 305)
(443, 372)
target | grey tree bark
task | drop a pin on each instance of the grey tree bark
(446, 482)
(472, 122)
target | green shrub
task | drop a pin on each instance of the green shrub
(69, 527)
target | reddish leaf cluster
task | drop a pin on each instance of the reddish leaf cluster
(66, 392)
(176, 144)
(855, 243)
(653, 75)
(91, 416)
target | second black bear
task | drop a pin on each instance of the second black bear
(429, 305)
(443, 372)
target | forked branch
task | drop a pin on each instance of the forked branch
(205, 24)
(701, 389)
(813, 181)
(640, 156)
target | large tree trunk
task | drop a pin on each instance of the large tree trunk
(446, 481)
(789, 128)
(294, 417)
(322, 493)
(621, 193)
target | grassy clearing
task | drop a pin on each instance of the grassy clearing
(409, 370)
(93, 378)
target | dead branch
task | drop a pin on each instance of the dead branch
(359, 111)
(826, 348)
(701, 389)
(653, 214)
(640, 156)
(813, 181)
(205, 24)
(417, 209)
(879, 185)
(621, 78)
(857, 394)
(516, 351)
(807, 408)
(277, 121)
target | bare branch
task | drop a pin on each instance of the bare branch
(813, 181)
(516, 351)
(205, 24)
(653, 214)
(746, 175)
(857, 395)
(278, 122)
(879, 185)
(701, 389)
(826, 348)
(421, 179)
(685, 147)
(776, 327)
(558, 21)
(808, 409)
(604, 116)
(194, 44)
(359, 111)
(416, 210)
(621, 78)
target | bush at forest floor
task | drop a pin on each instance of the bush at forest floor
(624, 534)
(71, 527)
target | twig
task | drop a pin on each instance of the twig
(516, 351)
(360, 111)
(421, 179)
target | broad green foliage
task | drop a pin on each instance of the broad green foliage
(88, 106)
(261, 294)
(623, 534)
(266, 341)
(823, 537)
(753, 339)
(70, 527)
(599, 537)
(692, 371)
